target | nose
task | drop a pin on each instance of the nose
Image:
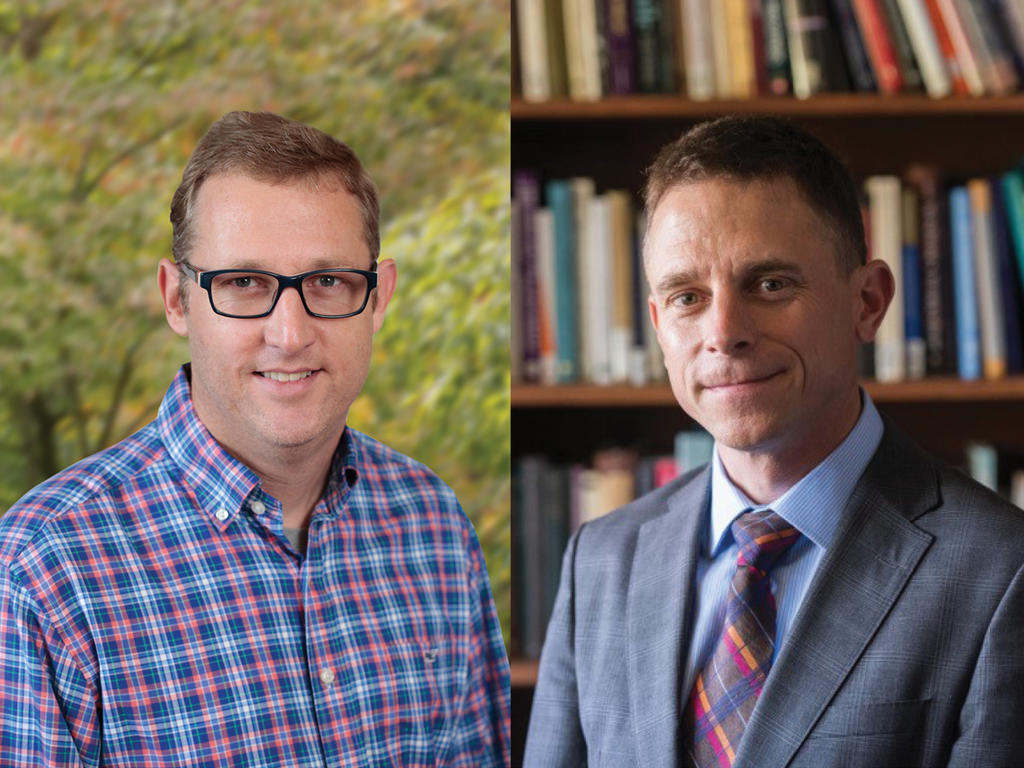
(729, 327)
(289, 327)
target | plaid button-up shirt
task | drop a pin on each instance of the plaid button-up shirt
(153, 613)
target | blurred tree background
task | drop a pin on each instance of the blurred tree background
(101, 102)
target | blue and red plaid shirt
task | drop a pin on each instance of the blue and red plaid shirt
(153, 613)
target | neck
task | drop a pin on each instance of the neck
(295, 476)
(766, 472)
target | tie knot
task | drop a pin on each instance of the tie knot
(762, 538)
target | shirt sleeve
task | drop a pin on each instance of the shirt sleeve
(482, 736)
(48, 713)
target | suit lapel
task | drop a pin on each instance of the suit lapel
(857, 583)
(659, 615)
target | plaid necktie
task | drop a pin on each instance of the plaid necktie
(727, 689)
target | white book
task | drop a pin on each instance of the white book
(969, 65)
(698, 49)
(990, 298)
(621, 284)
(581, 49)
(804, 81)
(597, 326)
(887, 245)
(926, 48)
(582, 193)
(544, 238)
(533, 50)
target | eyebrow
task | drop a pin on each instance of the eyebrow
(319, 263)
(754, 269)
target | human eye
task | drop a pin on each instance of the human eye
(242, 282)
(684, 299)
(771, 286)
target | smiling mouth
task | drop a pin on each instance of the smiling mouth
(282, 376)
(743, 383)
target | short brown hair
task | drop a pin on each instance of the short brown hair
(268, 147)
(751, 148)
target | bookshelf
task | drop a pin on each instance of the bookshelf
(614, 139)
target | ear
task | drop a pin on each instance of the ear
(168, 277)
(387, 278)
(875, 287)
(652, 309)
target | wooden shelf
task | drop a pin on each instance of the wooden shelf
(524, 673)
(934, 390)
(831, 106)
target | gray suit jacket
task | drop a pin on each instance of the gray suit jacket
(908, 649)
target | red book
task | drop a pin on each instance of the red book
(760, 55)
(879, 44)
(946, 48)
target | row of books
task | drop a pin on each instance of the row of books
(552, 500)
(734, 49)
(956, 249)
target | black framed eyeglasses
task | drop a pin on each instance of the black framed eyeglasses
(249, 293)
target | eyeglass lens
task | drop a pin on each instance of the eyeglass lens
(252, 293)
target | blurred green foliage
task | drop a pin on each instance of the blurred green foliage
(101, 101)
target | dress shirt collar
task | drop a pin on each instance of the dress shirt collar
(814, 503)
(223, 485)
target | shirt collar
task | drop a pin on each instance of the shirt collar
(813, 505)
(223, 484)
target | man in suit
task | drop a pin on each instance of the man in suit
(823, 593)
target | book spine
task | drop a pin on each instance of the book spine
(581, 50)
(582, 195)
(559, 197)
(965, 52)
(1012, 14)
(912, 287)
(990, 309)
(1013, 201)
(886, 245)
(879, 45)
(544, 232)
(1008, 280)
(776, 48)
(720, 47)
(741, 51)
(901, 44)
(526, 187)
(554, 18)
(621, 60)
(756, 16)
(621, 332)
(946, 47)
(698, 51)
(598, 324)
(646, 25)
(926, 48)
(533, 50)
(853, 46)
(1001, 52)
(968, 334)
(940, 336)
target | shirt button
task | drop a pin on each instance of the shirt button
(326, 675)
(258, 507)
(221, 514)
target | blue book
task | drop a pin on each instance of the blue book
(913, 288)
(559, 198)
(965, 291)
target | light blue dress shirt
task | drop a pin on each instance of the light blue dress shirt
(811, 506)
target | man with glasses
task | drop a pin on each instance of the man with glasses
(247, 580)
